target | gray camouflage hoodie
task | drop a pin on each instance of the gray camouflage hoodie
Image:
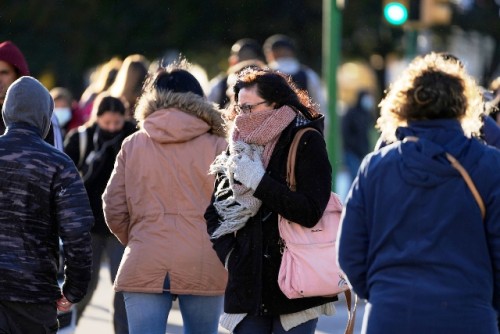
(42, 199)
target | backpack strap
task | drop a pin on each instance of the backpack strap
(82, 141)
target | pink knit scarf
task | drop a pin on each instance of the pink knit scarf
(263, 128)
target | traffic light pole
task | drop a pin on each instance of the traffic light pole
(411, 36)
(332, 28)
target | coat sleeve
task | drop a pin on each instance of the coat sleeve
(352, 247)
(72, 146)
(224, 244)
(114, 200)
(313, 175)
(492, 220)
(75, 219)
(491, 132)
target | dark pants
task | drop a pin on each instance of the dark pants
(114, 251)
(352, 162)
(272, 325)
(21, 318)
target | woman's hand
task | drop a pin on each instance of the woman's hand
(248, 170)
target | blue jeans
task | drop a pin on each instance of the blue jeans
(269, 324)
(148, 312)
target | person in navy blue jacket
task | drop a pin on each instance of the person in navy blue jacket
(413, 242)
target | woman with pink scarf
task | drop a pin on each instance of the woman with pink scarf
(251, 191)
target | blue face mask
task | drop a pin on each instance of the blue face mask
(367, 102)
(63, 115)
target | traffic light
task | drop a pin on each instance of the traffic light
(423, 13)
(396, 12)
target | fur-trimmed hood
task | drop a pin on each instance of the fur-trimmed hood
(178, 117)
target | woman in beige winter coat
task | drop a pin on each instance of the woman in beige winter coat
(154, 204)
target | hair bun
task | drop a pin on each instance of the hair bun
(423, 95)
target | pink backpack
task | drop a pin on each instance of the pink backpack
(309, 266)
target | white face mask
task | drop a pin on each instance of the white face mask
(63, 115)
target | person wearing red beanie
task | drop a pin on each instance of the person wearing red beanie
(12, 66)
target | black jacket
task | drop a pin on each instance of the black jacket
(42, 200)
(97, 171)
(355, 128)
(255, 260)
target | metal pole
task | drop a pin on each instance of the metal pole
(411, 36)
(332, 32)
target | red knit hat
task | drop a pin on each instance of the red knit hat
(10, 53)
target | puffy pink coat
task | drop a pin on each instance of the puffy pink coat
(157, 195)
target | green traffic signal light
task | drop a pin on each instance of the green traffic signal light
(395, 13)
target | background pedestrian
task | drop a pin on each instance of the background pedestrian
(409, 211)
(93, 148)
(42, 202)
(251, 191)
(154, 204)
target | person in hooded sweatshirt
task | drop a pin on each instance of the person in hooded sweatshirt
(154, 204)
(93, 147)
(42, 200)
(413, 241)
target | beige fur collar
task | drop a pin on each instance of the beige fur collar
(189, 103)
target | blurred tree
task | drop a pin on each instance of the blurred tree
(482, 16)
(67, 37)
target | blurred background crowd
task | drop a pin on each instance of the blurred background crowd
(345, 53)
(81, 45)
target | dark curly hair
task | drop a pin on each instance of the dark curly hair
(431, 87)
(435, 95)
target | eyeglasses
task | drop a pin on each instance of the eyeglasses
(247, 108)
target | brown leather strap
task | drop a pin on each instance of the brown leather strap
(292, 156)
(351, 314)
(290, 178)
(465, 175)
(458, 166)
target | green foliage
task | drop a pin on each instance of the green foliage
(67, 37)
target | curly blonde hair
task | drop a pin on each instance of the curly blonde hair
(432, 87)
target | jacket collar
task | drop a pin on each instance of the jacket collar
(22, 127)
(189, 103)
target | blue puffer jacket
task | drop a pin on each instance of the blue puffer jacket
(412, 239)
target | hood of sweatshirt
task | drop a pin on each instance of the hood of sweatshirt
(424, 161)
(28, 101)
